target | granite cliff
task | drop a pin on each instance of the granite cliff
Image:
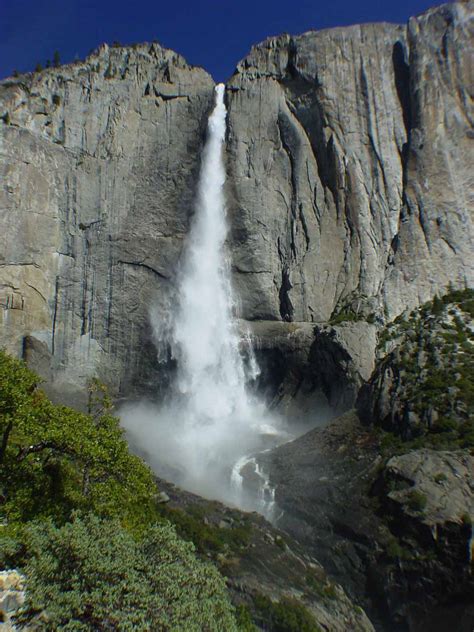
(350, 196)
(98, 164)
(350, 193)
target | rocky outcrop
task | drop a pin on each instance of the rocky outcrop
(423, 382)
(395, 532)
(12, 596)
(428, 502)
(309, 371)
(349, 189)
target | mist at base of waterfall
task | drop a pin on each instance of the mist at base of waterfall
(201, 457)
(215, 460)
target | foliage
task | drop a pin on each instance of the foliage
(396, 551)
(91, 574)
(345, 315)
(286, 615)
(206, 537)
(416, 501)
(122, 567)
(432, 356)
(244, 619)
(54, 459)
(321, 586)
(437, 307)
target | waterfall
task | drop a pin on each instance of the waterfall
(205, 342)
(212, 424)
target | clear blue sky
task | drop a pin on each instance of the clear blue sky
(214, 34)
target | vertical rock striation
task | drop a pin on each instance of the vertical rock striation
(350, 188)
(351, 159)
(98, 162)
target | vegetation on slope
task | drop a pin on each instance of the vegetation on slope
(80, 518)
(92, 574)
(422, 392)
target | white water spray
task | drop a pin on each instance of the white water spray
(206, 345)
(213, 424)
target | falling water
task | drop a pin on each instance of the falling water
(213, 425)
(211, 369)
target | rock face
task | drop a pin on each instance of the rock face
(397, 535)
(428, 501)
(349, 185)
(342, 148)
(98, 164)
(309, 370)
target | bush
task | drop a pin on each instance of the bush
(345, 315)
(416, 501)
(91, 574)
(244, 619)
(437, 306)
(286, 615)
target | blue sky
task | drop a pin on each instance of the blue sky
(211, 33)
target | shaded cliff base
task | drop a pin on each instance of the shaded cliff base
(396, 531)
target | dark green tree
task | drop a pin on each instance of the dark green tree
(54, 458)
(437, 306)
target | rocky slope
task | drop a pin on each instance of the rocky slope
(422, 388)
(260, 562)
(395, 532)
(349, 187)
(388, 504)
